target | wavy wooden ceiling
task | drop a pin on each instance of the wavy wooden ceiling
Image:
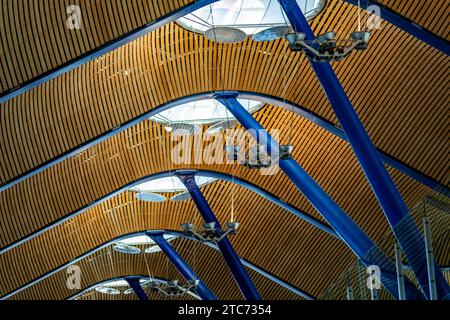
(428, 14)
(40, 42)
(398, 93)
(107, 264)
(171, 63)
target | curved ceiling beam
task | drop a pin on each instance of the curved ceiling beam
(112, 45)
(408, 26)
(208, 173)
(145, 277)
(307, 114)
(168, 232)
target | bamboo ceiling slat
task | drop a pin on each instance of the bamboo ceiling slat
(98, 171)
(36, 39)
(64, 113)
(263, 238)
(41, 29)
(396, 88)
(429, 14)
(103, 265)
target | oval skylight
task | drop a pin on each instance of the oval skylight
(169, 184)
(107, 290)
(181, 197)
(150, 197)
(143, 240)
(202, 112)
(127, 249)
(248, 16)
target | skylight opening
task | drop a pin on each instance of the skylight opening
(250, 17)
(142, 240)
(202, 112)
(169, 184)
(128, 245)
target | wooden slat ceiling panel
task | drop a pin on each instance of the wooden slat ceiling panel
(263, 238)
(112, 164)
(35, 38)
(41, 29)
(404, 118)
(122, 214)
(207, 263)
(389, 86)
(433, 15)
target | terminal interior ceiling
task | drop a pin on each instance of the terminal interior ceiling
(232, 149)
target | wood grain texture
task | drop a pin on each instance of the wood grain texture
(398, 88)
(36, 39)
(108, 264)
(431, 14)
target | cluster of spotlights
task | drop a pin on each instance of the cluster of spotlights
(210, 232)
(173, 288)
(326, 48)
(258, 156)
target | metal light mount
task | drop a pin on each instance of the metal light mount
(210, 232)
(258, 156)
(173, 288)
(325, 48)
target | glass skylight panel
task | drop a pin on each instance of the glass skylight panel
(142, 240)
(169, 184)
(201, 112)
(248, 16)
(115, 283)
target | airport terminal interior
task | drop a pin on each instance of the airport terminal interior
(224, 150)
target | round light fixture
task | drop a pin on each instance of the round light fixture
(225, 35)
(150, 197)
(127, 249)
(107, 290)
(272, 33)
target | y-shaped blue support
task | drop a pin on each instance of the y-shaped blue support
(395, 210)
(345, 227)
(233, 261)
(186, 271)
(136, 286)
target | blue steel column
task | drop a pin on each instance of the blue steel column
(136, 286)
(233, 261)
(395, 210)
(202, 290)
(344, 226)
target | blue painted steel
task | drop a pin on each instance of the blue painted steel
(280, 282)
(186, 271)
(307, 114)
(345, 227)
(136, 286)
(384, 188)
(241, 276)
(108, 47)
(212, 174)
(408, 26)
